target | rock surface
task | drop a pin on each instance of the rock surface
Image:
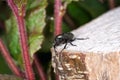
(96, 58)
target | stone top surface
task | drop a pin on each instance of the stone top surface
(103, 34)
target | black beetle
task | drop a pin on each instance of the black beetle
(65, 38)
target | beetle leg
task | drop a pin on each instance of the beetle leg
(64, 47)
(72, 44)
(55, 50)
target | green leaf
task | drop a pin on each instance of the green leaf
(94, 7)
(35, 22)
(79, 15)
(4, 69)
(20, 3)
(85, 10)
(68, 1)
(35, 4)
(12, 39)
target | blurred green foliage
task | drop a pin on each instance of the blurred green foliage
(40, 26)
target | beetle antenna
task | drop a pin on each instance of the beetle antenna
(82, 38)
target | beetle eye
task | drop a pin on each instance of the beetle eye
(59, 40)
(59, 36)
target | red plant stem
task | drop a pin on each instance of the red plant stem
(101, 1)
(58, 17)
(10, 61)
(23, 40)
(58, 21)
(111, 4)
(39, 68)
